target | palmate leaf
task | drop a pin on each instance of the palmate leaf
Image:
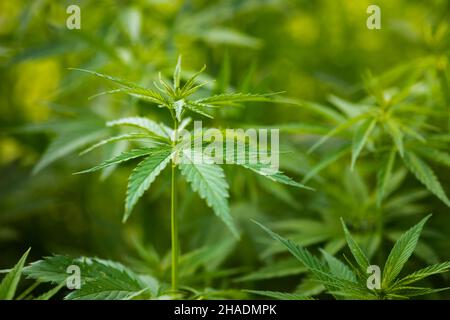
(140, 122)
(143, 176)
(124, 156)
(209, 181)
(101, 279)
(360, 137)
(127, 137)
(9, 283)
(355, 249)
(400, 253)
(425, 175)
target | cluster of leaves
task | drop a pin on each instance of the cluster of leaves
(350, 280)
(207, 179)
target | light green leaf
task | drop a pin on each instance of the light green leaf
(424, 273)
(400, 253)
(9, 283)
(124, 156)
(355, 249)
(142, 123)
(360, 137)
(209, 181)
(425, 175)
(394, 131)
(143, 175)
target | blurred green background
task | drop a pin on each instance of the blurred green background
(311, 50)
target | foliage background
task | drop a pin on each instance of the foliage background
(312, 50)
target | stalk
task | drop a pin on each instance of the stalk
(174, 222)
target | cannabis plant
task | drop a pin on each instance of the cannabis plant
(166, 147)
(351, 280)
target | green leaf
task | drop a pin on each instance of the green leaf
(384, 175)
(394, 131)
(49, 294)
(325, 162)
(400, 253)
(101, 279)
(360, 138)
(343, 126)
(209, 181)
(9, 283)
(130, 88)
(424, 273)
(277, 176)
(142, 123)
(232, 99)
(177, 74)
(124, 156)
(425, 175)
(355, 249)
(280, 295)
(143, 175)
(127, 136)
(338, 268)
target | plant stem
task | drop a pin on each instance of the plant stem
(174, 222)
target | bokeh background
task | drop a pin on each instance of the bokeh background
(310, 50)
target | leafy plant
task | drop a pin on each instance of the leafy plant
(350, 280)
(207, 179)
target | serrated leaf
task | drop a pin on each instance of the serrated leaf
(127, 136)
(424, 273)
(280, 295)
(277, 176)
(130, 88)
(142, 123)
(143, 176)
(400, 253)
(101, 279)
(9, 283)
(425, 175)
(359, 139)
(209, 181)
(355, 249)
(338, 268)
(124, 156)
(232, 99)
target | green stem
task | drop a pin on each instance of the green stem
(174, 224)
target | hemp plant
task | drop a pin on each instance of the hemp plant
(169, 149)
(358, 279)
